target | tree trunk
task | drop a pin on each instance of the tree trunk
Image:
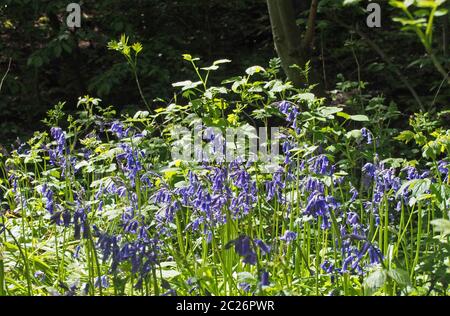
(287, 38)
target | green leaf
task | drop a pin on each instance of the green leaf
(245, 277)
(254, 69)
(441, 225)
(188, 84)
(329, 110)
(400, 276)
(307, 96)
(137, 47)
(359, 118)
(408, 3)
(221, 61)
(351, 2)
(344, 115)
(426, 3)
(169, 274)
(405, 136)
(188, 57)
(141, 114)
(441, 12)
(210, 68)
(398, 4)
(356, 133)
(375, 281)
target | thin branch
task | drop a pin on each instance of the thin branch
(7, 71)
(385, 58)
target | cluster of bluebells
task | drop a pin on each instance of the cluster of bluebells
(221, 192)
(60, 155)
(320, 205)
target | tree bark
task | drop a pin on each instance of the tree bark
(287, 38)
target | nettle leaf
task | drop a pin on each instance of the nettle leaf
(400, 276)
(375, 280)
(441, 225)
(405, 136)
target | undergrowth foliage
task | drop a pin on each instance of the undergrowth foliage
(96, 205)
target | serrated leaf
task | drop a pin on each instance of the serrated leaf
(405, 136)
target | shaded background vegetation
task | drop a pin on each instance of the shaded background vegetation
(51, 63)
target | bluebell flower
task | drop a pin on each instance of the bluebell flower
(367, 135)
(265, 249)
(354, 193)
(314, 185)
(39, 275)
(443, 168)
(375, 255)
(48, 195)
(245, 286)
(288, 236)
(353, 218)
(275, 186)
(102, 282)
(243, 247)
(264, 279)
(327, 266)
(411, 173)
(118, 129)
(369, 169)
(58, 135)
(347, 262)
(317, 205)
(320, 164)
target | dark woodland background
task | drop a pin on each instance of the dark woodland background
(51, 63)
